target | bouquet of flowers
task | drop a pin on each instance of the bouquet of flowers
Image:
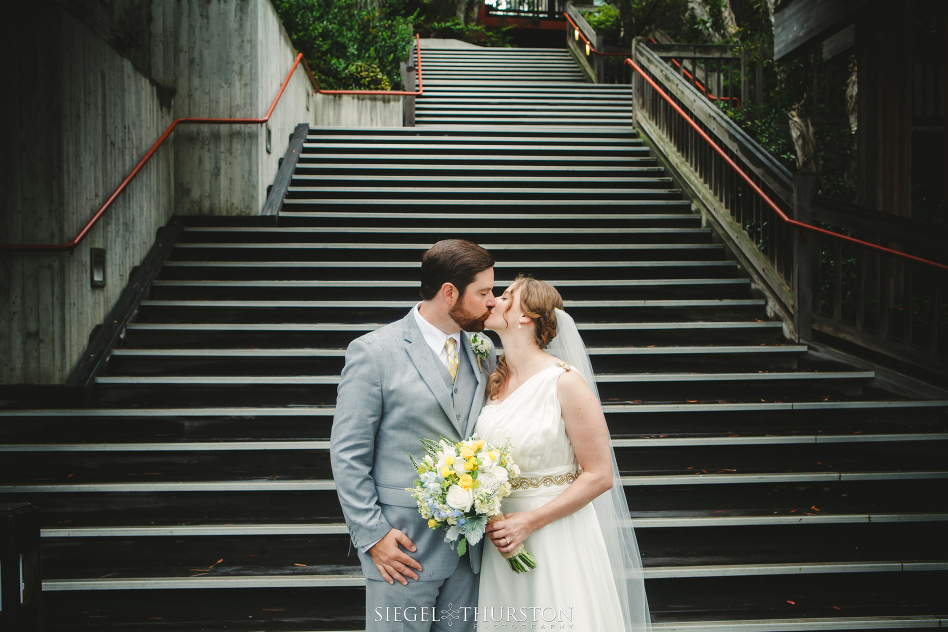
(459, 489)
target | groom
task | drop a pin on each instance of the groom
(416, 378)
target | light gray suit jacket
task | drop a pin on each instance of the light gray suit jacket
(392, 395)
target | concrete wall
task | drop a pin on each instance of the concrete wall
(227, 59)
(75, 118)
(94, 84)
(347, 110)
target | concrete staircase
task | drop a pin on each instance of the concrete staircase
(515, 86)
(771, 490)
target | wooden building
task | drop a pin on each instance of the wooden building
(900, 50)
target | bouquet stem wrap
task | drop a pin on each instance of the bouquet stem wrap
(519, 559)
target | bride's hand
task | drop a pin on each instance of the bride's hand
(509, 533)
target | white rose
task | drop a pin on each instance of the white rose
(500, 474)
(459, 498)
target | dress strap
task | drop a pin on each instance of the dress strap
(564, 365)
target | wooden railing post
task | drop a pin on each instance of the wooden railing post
(637, 82)
(599, 61)
(804, 254)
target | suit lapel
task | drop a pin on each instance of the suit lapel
(481, 375)
(421, 356)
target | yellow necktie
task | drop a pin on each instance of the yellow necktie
(452, 357)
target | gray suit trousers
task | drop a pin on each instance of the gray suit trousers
(423, 606)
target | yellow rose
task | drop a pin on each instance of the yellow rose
(470, 464)
(466, 482)
(449, 460)
(466, 452)
(432, 523)
(446, 471)
(479, 444)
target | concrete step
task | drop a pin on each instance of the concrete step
(283, 335)
(155, 311)
(403, 270)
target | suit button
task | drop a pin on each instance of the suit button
(459, 417)
(455, 390)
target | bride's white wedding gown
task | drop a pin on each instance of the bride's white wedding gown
(573, 583)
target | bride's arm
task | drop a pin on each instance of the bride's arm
(589, 435)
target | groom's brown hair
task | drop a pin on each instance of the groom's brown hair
(454, 261)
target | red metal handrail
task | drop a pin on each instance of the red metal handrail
(69, 245)
(763, 196)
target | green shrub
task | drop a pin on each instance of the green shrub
(348, 47)
(367, 77)
(606, 21)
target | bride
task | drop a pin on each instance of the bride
(568, 506)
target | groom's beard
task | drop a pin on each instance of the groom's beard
(468, 321)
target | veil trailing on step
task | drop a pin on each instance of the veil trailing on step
(612, 509)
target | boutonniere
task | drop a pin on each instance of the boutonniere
(480, 345)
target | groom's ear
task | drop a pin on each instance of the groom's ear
(450, 294)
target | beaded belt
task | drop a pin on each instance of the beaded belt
(553, 480)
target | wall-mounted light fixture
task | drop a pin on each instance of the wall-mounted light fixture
(269, 134)
(97, 267)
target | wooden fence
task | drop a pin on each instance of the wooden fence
(823, 286)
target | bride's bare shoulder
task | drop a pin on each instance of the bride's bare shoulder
(571, 383)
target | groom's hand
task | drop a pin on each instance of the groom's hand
(391, 561)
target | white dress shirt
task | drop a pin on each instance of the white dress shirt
(435, 337)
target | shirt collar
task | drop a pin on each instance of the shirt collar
(434, 336)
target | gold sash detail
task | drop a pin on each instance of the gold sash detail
(553, 480)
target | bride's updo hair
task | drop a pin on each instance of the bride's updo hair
(538, 300)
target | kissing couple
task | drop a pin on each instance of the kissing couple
(419, 378)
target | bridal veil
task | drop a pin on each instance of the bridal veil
(612, 509)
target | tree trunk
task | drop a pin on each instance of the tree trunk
(804, 139)
(852, 110)
(466, 10)
(708, 14)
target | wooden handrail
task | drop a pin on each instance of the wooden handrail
(743, 175)
(72, 243)
(589, 44)
(763, 196)
(698, 82)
